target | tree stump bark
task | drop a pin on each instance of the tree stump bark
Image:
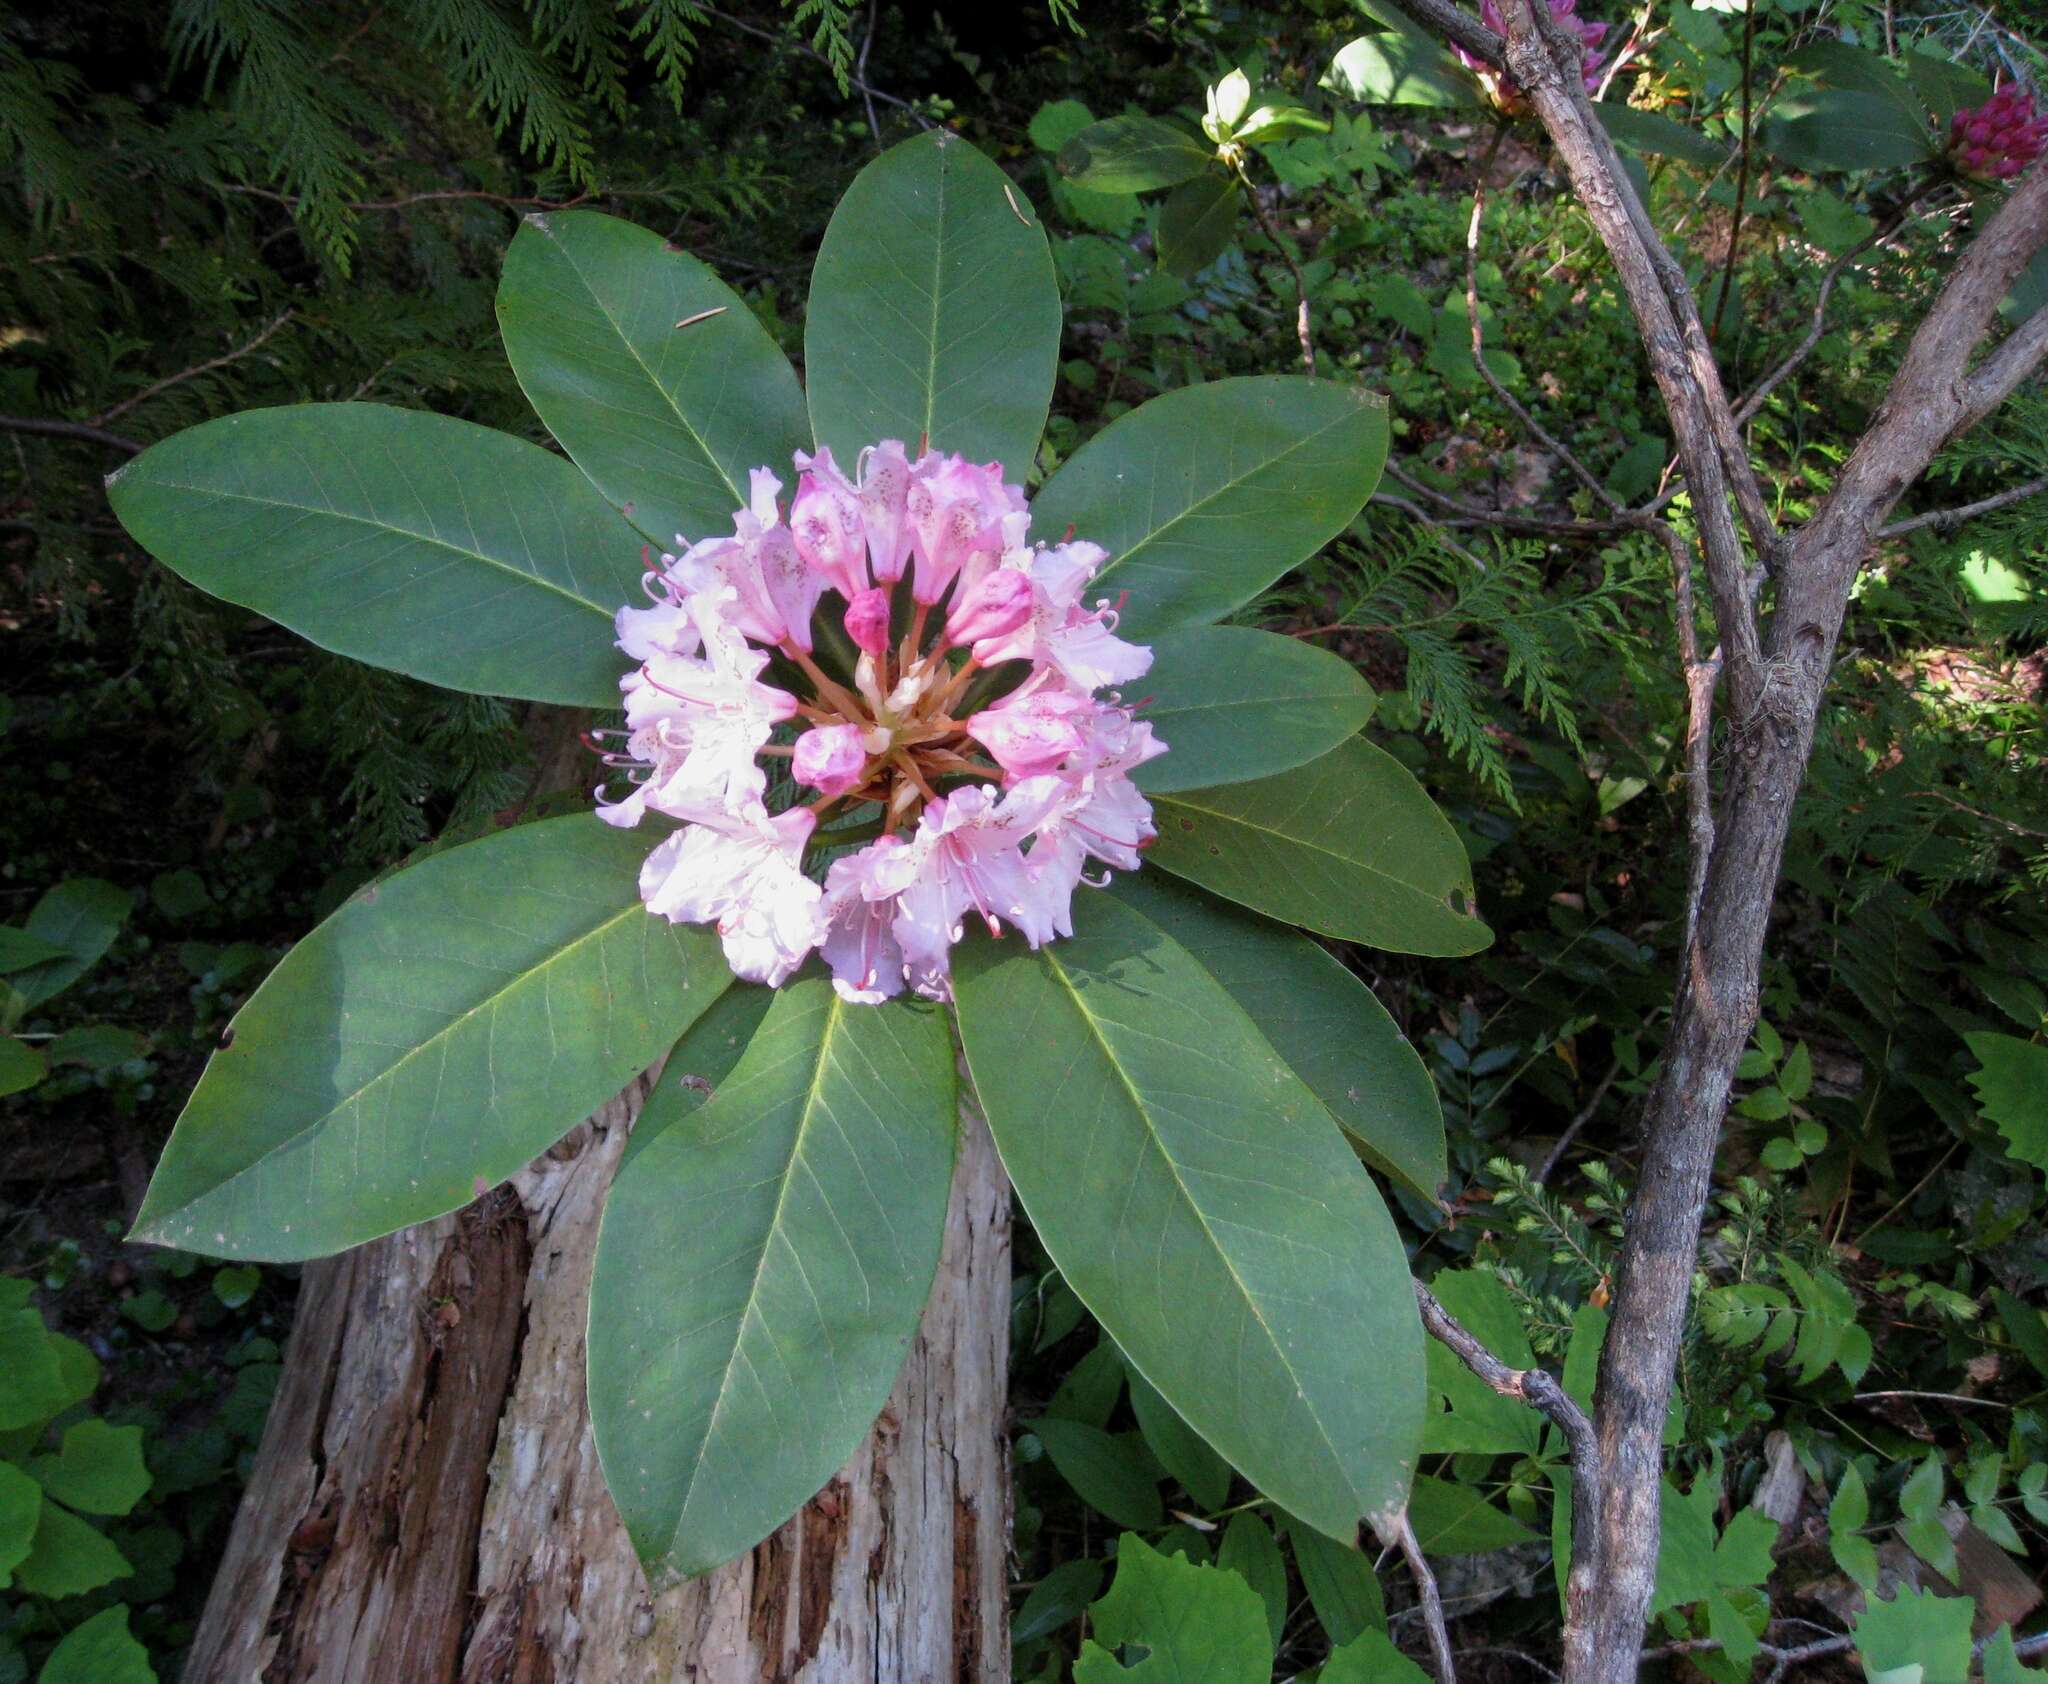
(426, 1506)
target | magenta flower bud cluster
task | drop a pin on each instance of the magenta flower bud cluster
(1501, 88)
(1998, 139)
(977, 737)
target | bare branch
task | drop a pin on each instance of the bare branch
(164, 385)
(1301, 321)
(1432, 1604)
(69, 430)
(1948, 519)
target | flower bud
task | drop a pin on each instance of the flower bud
(998, 604)
(826, 522)
(830, 758)
(867, 621)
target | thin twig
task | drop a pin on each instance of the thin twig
(1301, 320)
(860, 70)
(854, 79)
(1931, 1397)
(164, 385)
(1436, 527)
(1741, 176)
(1948, 519)
(1563, 1144)
(69, 430)
(1432, 1604)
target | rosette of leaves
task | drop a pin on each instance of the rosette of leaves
(1185, 1093)
(1203, 175)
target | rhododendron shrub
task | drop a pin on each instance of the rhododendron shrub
(927, 788)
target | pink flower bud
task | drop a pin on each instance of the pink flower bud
(830, 758)
(998, 604)
(867, 621)
(1032, 735)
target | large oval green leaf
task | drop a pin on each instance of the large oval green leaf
(1204, 496)
(934, 310)
(1348, 845)
(1198, 1200)
(412, 541)
(444, 1027)
(653, 373)
(1232, 703)
(761, 1270)
(1320, 1018)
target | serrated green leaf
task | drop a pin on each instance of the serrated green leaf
(98, 1469)
(1371, 1658)
(2012, 1091)
(761, 1269)
(1796, 1078)
(1848, 1514)
(444, 1027)
(1196, 1197)
(1319, 1017)
(1193, 1625)
(412, 541)
(2002, 1663)
(1233, 703)
(100, 1650)
(68, 1557)
(934, 310)
(1204, 496)
(665, 419)
(1348, 845)
(1916, 1629)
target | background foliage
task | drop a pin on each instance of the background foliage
(216, 205)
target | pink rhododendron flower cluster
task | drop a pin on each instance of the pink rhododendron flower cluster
(972, 733)
(1501, 88)
(1998, 139)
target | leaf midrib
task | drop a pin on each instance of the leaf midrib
(1159, 532)
(1102, 1040)
(330, 512)
(834, 1006)
(390, 1070)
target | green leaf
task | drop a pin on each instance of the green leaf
(1452, 1519)
(1319, 1017)
(1133, 154)
(21, 1066)
(19, 950)
(1234, 703)
(1103, 1471)
(1341, 1585)
(934, 310)
(68, 1557)
(1197, 223)
(2002, 1660)
(1916, 1629)
(1195, 1625)
(236, 1285)
(761, 1270)
(97, 1470)
(1056, 1600)
(1204, 496)
(1845, 129)
(1476, 1418)
(1848, 1514)
(1943, 84)
(1250, 1550)
(2012, 1091)
(21, 1506)
(1796, 1078)
(2023, 1324)
(1348, 845)
(1652, 132)
(416, 542)
(1396, 69)
(427, 1041)
(32, 1387)
(665, 419)
(1197, 1200)
(1090, 1391)
(1371, 1658)
(81, 916)
(97, 1046)
(1181, 1450)
(99, 1651)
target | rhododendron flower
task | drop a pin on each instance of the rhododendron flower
(1501, 88)
(970, 752)
(1998, 139)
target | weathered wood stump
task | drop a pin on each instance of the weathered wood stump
(427, 1508)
